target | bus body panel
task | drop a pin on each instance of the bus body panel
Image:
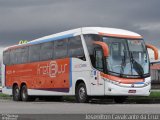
(59, 77)
(97, 83)
(50, 75)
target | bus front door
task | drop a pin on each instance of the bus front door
(97, 83)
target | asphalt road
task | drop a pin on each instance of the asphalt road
(44, 107)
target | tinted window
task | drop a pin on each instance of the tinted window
(76, 48)
(13, 59)
(60, 49)
(6, 57)
(47, 51)
(18, 56)
(24, 55)
(34, 53)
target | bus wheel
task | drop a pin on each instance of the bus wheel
(81, 93)
(120, 99)
(16, 93)
(24, 93)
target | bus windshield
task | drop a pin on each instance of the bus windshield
(127, 57)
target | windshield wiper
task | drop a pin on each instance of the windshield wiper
(138, 68)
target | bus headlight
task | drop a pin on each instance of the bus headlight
(111, 81)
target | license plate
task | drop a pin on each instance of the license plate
(132, 91)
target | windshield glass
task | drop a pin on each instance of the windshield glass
(127, 57)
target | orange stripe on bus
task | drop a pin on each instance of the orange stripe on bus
(121, 36)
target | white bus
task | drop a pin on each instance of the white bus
(85, 62)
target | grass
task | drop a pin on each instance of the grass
(154, 95)
(153, 98)
(4, 96)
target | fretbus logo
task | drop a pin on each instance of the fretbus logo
(51, 69)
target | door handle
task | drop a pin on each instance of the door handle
(93, 84)
(100, 84)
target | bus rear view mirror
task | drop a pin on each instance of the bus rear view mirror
(155, 50)
(104, 47)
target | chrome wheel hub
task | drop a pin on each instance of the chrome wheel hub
(82, 93)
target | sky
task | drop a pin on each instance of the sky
(32, 19)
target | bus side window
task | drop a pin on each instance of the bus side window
(34, 53)
(13, 59)
(99, 59)
(75, 48)
(60, 49)
(24, 55)
(47, 50)
(18, 56)
(6, 57)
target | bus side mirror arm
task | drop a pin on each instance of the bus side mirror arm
(154, 49)
(104, 47)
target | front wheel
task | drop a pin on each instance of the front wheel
(81, 93)
(120, 99)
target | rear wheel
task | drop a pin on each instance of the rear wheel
(81, 93)
(24, 94)
(16, 93)
(120, 99)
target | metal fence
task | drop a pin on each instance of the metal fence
(155, 76)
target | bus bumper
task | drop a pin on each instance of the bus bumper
(118, 90)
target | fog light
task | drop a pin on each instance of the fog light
(109, 89)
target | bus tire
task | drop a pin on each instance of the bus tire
(24, 94)
(120, 99)
(81, 93)
(16, 93)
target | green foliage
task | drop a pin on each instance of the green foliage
(4, 95)
(23, 41)
(155, 95)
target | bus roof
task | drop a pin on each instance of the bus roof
(112, 32)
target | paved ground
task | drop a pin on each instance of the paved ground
(43, 107)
